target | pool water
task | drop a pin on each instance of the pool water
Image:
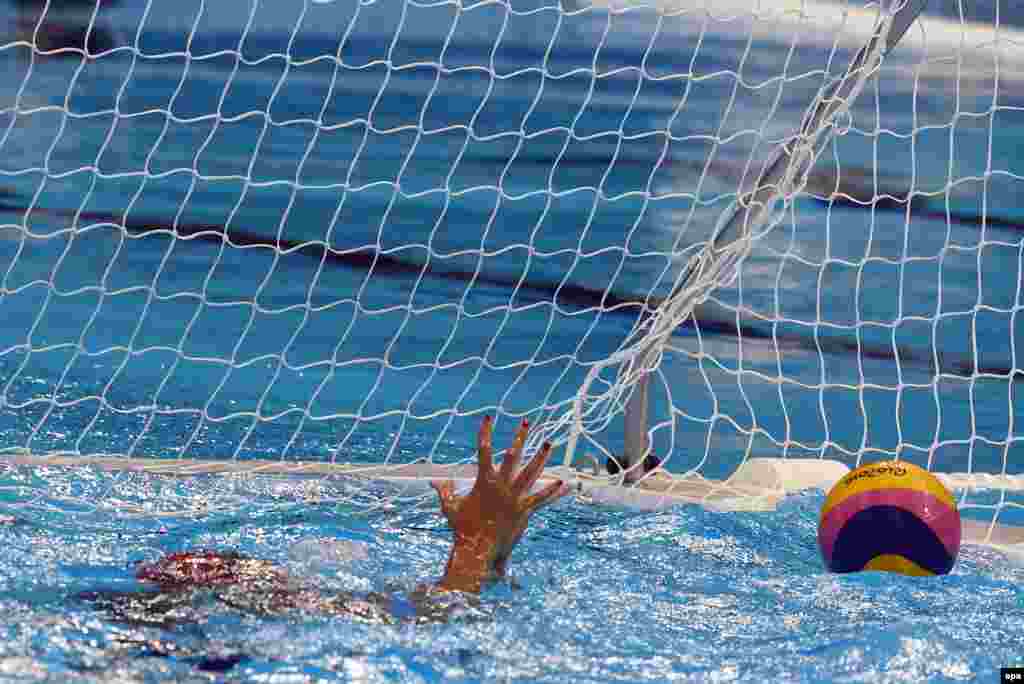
(603, 594)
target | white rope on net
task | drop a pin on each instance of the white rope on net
(754, 213)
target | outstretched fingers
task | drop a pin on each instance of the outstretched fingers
(550, 493)
(529, 475)
(515, 452)
(484, 447)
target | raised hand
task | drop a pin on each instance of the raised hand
(490, 520)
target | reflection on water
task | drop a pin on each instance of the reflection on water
(603, 594)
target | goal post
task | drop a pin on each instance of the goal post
(780, 178)
(752, 243)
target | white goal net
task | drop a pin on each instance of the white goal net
(329, 237)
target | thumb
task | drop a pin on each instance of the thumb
(446, 495)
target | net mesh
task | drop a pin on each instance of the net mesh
(288, 236)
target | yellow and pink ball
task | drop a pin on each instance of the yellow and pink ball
(891, 516)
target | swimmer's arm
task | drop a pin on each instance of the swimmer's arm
(491, 519)
(488, 523)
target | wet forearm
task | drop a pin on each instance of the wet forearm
(490, 520)
(472, 563)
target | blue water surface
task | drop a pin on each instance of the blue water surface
(603, 594)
